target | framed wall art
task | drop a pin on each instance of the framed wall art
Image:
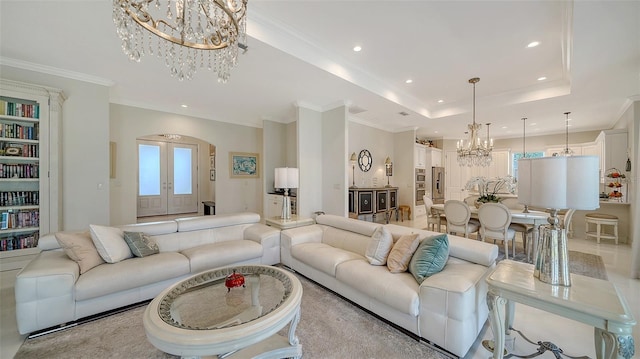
(244, 165)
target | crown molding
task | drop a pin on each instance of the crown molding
(50, 70)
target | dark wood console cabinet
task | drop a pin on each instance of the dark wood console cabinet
(373, 201)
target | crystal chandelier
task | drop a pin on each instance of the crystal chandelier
(188, 33)
(475, 152)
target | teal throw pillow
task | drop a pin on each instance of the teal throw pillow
(141, 245)
(430, 257)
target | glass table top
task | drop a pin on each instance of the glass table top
(219, 299)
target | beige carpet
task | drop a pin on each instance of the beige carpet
(330, 327)
(590, 265)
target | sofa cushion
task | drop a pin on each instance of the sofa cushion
(140, 244)
(323, 257)
(110, 243)
(129, 274)
(379, 247)
(430, 257)
(397, 290)
(220, 254)
(80, 248)
(398, 260)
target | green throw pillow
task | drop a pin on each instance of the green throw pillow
(141, 245)
(430, 257)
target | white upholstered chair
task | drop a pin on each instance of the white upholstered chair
(458, 215)
(495, 219)
(566, 221)
(433, 219)
(525, 230)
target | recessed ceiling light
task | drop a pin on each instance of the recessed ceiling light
(533, 44)
(503, 127)
(532, 124)
(357, 48)
(542, 78)
(184, 106)
(409, 81)
(435, 131)
(440, 101)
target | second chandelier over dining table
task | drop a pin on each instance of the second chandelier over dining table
(475, 152)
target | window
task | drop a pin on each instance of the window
(518, 155)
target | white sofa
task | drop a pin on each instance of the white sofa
(448, 309)
(50, 290)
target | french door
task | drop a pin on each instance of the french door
(167, 178)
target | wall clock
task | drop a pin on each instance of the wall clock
(365, 160)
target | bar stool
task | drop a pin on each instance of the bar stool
(401, 209)
(600, 219)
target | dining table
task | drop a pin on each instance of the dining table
(533, 218)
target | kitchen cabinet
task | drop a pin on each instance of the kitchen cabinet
(613, 146)
(420, 156)
(435, 155)
(274, 205)
(456, 176)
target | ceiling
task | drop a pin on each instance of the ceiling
(301, 52)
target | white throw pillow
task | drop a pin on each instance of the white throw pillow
(109, 242)
(379, 246)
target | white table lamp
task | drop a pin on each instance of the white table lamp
(286, 178)
(557, 183)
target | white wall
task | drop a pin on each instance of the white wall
(232, 195)
(540, 143)
(381, 144)
(309, 149)
(85, 147)
(334, 161)
(274, 151)
(403, 167)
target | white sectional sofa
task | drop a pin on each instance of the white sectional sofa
(50, 290)
(448, 309)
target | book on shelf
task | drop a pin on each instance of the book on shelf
(17, 219)
(13, 108)
(19, 241)
(18, 131)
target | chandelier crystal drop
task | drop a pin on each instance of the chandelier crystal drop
(475, 152)
(189, 33)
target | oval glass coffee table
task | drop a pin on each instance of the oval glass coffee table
(206, 314)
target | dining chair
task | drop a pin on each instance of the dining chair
(525, 230)
(458, 216)
(565, 216)
(433, 218)
(495, 219)
(566, 220)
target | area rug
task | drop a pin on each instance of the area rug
(330, 327)
(581, 263)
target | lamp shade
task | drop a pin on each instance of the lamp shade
(286, 177)
(559, 182)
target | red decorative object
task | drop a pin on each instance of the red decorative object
(234, 280)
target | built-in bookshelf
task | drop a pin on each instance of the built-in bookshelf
(29, 148)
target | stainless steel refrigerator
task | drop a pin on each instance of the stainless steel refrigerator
(437, 184)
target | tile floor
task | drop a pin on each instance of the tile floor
(574, 338)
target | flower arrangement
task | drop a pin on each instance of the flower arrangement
(490, 188)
